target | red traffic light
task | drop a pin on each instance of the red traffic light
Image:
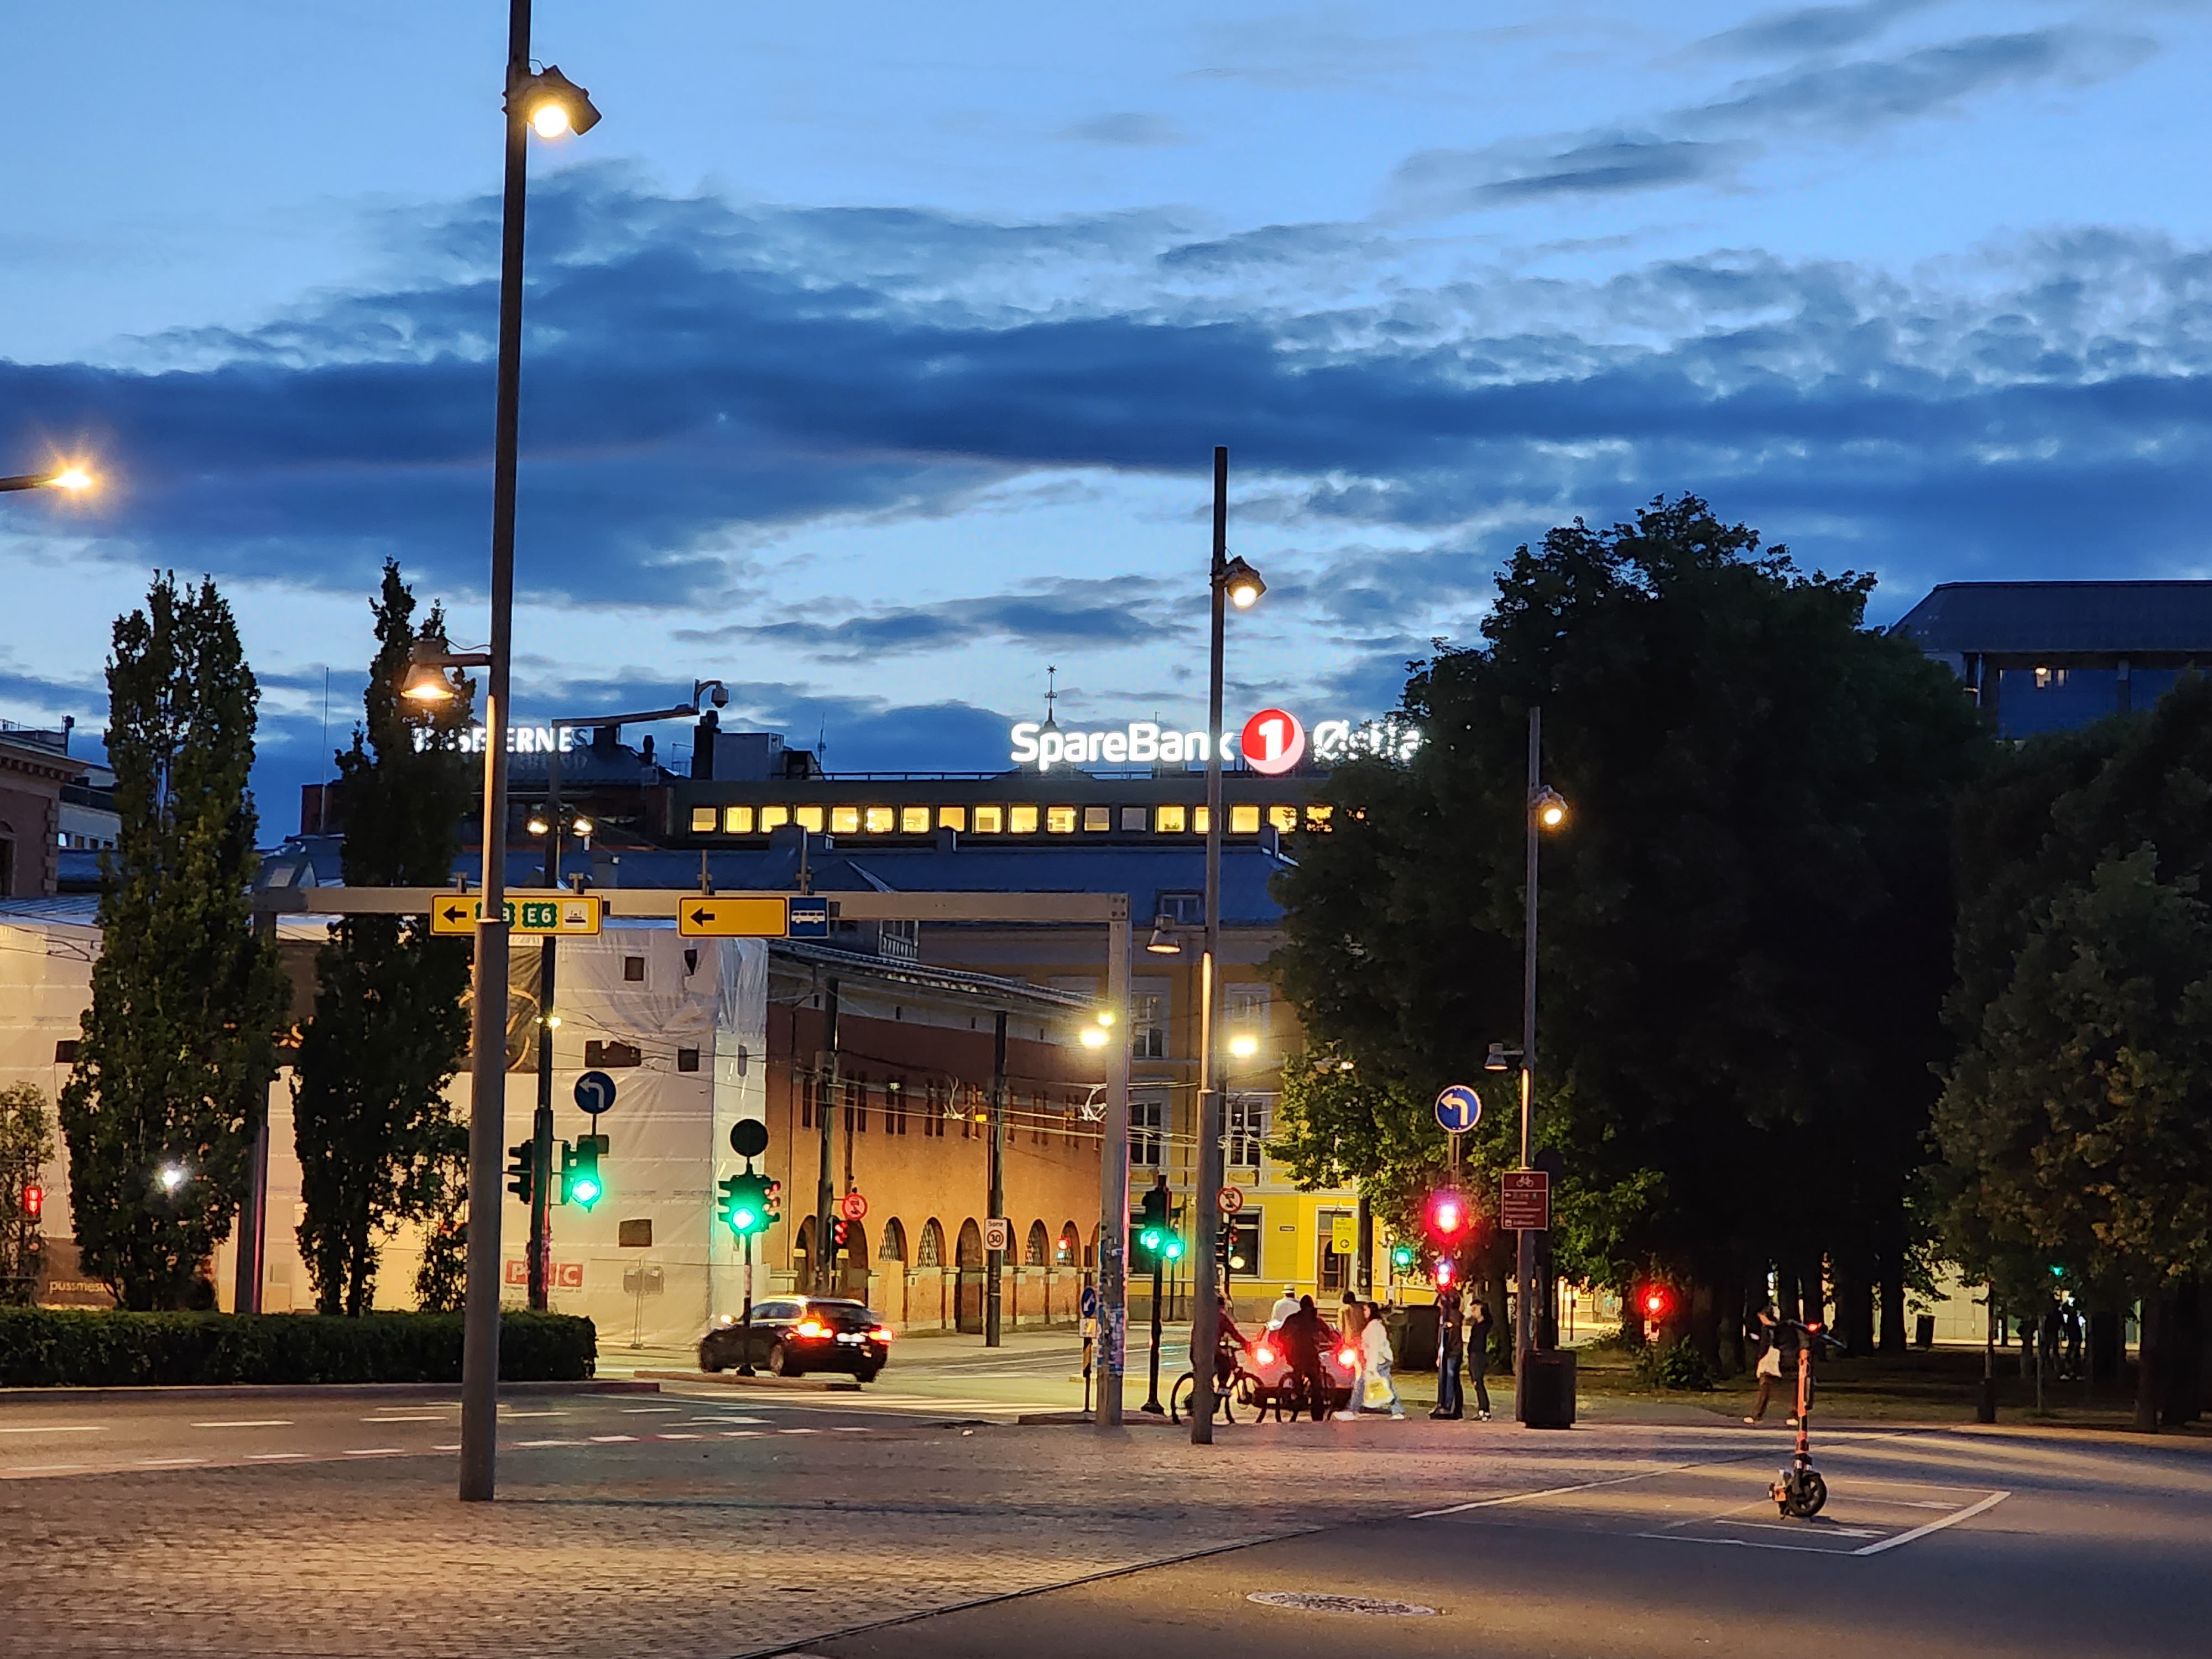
(34, 1201)
(1448, 1214)
(1656, 1301)
(1445, 1273)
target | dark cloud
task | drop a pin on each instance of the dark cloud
(1806, 29)
(1134, 129)
(1073, 613)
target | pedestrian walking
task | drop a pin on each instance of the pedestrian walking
(1302, 1335)
(2072, 1368)
(1285, 1305)
(1350, 1320)
(1766, 1332)
(1379, 1387)
(1451, 1350)
(1477, 1353)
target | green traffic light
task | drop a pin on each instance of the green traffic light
(1150, 1238)
(1172, 1248)
(741, 1221)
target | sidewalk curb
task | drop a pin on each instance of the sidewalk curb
(776, 1384)
(307, 1391)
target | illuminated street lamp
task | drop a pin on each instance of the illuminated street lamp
(1244, 1045)
(430, 662)
(1231, 582)
(71, 478)
(171, 1177)
(1164, 942)
(1546, 810)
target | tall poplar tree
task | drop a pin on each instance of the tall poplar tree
(375, 1132)
(173, 1073)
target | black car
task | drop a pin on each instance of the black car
(790, 1338)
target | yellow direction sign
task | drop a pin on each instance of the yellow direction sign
(554, 915)
(733, 916)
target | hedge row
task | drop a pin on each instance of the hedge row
(48, 1347)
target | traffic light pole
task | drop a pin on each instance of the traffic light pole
(541, 1139)
(1112, 1250)
(1152, 1394)
(1205, 1313)
(825, 1112)
(745, 1319)
(995, 1203)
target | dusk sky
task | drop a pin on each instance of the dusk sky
(876, 353)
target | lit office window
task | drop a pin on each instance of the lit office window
(702, 820)
(737, 820)
(1021, 820)
(774, 817)
(810, 817)
(879, 820)
(914, 820)
(1171, 820)
(989, 820)
(843, 820)
(1317, 818)
(1133, 818)
(1099, 818)
(1243, 820)
(1198, 820)
(1284, 818)
(1059, 820)
(952, 817)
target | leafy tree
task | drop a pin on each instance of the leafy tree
(391, 1022)
(2073, 1123)
(178, 1047)
(27, 1143)
(1746, 926)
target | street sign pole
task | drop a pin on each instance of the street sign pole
(541, 1137)
(1113, 1175)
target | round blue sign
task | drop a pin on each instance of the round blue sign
(1459, 1109)
(595, 1092)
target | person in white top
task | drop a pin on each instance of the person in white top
(1285, 1305)
(1378, 1385)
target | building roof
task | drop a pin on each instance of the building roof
(2059, 618)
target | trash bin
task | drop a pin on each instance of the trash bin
(1985, 1400)
(1923, 1331)
(1414, 1337)
(1544, 1393)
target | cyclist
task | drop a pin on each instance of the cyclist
(1303, 1336)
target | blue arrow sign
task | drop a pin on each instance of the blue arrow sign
(595, 1092)
(809, 918)
(1459, 1109)
(1089, 1303)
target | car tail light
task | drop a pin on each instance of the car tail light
(880, 1333)
(1264, 1354)
(810, 1328)
(1347, 1356)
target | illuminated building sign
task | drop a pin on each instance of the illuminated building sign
(520, 739)
(1273, 741)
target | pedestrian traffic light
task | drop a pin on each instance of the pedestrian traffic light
(34, 1201)
(1445, 1273)
(522, 1169)
(1655, 1302)
(840, 1231)
(579, 1171)
(1402, 1255)
(772, 1201)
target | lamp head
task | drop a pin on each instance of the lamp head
(1496, 1059)
(1244, 1045)
(582, 827)
(554, 104)
(1163, 943)
(73, 478)
(1550, 808)
(1243, 584)
(536, 825)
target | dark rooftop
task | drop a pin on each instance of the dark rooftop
(2056, 618)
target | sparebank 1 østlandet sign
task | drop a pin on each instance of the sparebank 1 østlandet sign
(1273, 741)
(520, 739)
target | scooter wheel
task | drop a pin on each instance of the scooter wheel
(1813, 1496)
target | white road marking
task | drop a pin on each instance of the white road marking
(1549, 1492)
(157, 1461)
(1741, 1544)
(852, 1428)
(42, 1468)
(648, 1411)
(509, 1412)
(456, 1446)
(1966, 1514)
(1778, 1526)
(672, 1434)
(61, 1428)
(376, 1452)
(250, 1422)
(278, 1457)
(743, 1434)
(802, 1431)
(719, 1420)
(427, 1417)
(616, 1439)
(532, 1445)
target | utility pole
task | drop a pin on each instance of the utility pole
(1206, 1314)
(995, 1260)
(1114, 1179)
(825, 1110)
(1524, 1311)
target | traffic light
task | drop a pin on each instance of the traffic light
(522, 1169)
(1402, 1257)
(840, 1231)
(743, 1208)
(1445, 1273)
(34, 1201)
(773, 1200)
(1448, 1216)
(1156, 1243)
(1655, 1302)
(579, 1171)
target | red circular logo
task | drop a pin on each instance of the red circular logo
(1273, 741)
(852, 1206)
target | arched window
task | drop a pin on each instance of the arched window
(1033, 1252)
(1091, 1250)
(893, 1248)
(856, 1245)
(803, 1247)
(971, 1245)
(933, 1245)
(1071, 1245)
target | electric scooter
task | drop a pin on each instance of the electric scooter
(1801, 1494)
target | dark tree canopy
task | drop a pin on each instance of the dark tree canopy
(390, 1026)
(1745, 934)
(180, 1043)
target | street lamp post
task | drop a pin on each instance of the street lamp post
(1230, 581)
(552, 104)
(71, 479)
(1542, 809)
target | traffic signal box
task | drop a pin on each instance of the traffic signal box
(522, 1169)
(744, 1208)
(581, 1183)
(1157, 1244)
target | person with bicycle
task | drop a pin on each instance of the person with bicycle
(1304, 1335)
(1229, 1351)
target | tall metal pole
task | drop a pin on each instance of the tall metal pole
(1112, 1249)
(1524, 1312)
(488, 1042)
(541, 1122)
(825, 1183)
(1206, 1315)
(995, 1203)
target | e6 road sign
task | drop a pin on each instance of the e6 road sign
(733, 916)
(571, 915)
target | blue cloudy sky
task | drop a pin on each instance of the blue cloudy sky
(876, 352)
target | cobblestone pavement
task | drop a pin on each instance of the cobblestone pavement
(711, 1549)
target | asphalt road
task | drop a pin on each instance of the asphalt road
(1931, 1545)
(150, 1432)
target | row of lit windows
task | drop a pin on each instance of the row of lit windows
(1019, 819)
